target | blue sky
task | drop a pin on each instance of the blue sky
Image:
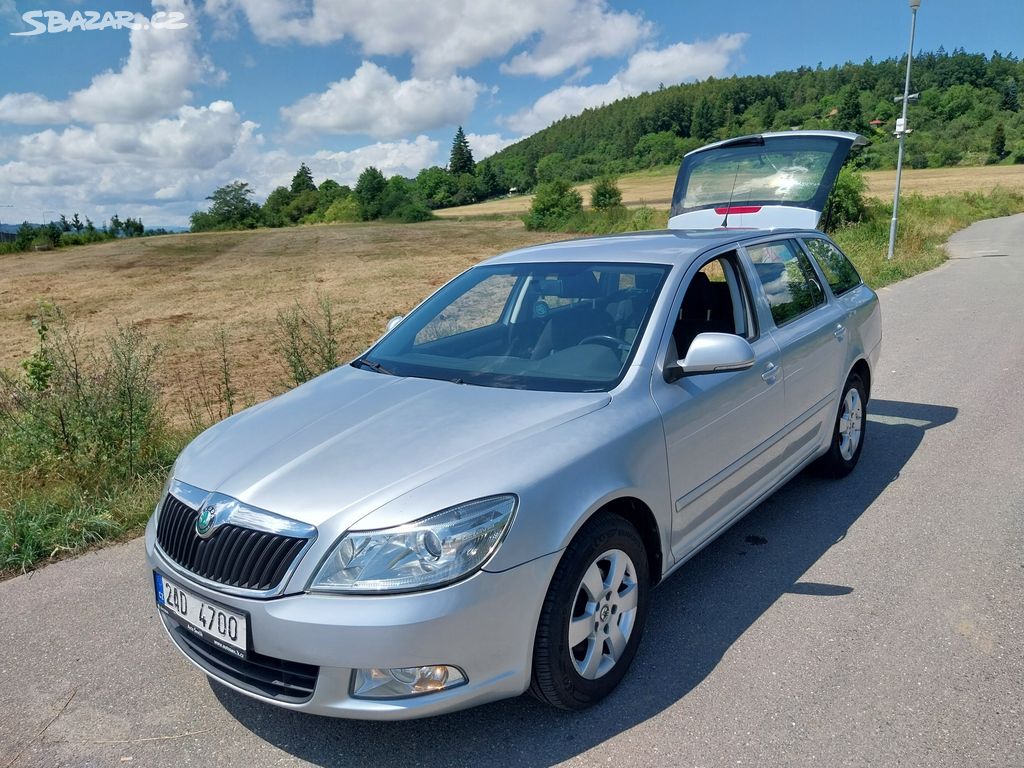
(147, 122)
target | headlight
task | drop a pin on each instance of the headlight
(436, 550)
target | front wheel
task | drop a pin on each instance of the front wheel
(593, 615)
(848, 433)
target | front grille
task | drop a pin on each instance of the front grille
(283, 680)
(234, 556)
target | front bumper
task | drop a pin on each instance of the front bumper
(484, 625)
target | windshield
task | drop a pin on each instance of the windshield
(570, 327)
(782, 170)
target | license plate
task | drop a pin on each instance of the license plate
(217, 625)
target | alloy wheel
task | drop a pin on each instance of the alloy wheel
(851, 422)
(603, 614)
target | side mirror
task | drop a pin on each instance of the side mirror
(394, 321)
(713, 353)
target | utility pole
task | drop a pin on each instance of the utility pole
(901, 131)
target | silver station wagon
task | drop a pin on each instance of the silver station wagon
(482, 502)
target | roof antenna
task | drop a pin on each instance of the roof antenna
(725, 221)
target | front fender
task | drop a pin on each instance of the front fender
(561, 476)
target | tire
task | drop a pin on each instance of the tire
(848, 432)
(607, 629)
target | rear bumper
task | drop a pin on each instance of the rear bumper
(484, 625)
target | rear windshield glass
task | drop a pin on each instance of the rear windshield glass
(779, 172)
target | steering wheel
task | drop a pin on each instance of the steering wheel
(608, 341)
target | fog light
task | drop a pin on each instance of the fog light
(378, 683)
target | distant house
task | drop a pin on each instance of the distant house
(7, 237)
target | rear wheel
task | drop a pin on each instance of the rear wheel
(593, 615)
(848, 433)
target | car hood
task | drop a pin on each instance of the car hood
(352, 440)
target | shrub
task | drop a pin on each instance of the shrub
(345, 210)
(554, 203)
(606, 194)
(88, 415)
(410, 212)
(1017, 155)
(847, 203)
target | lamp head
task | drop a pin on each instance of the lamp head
(915, 4)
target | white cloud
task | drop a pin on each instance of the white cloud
(197, 137)
(485, 145)
(31, 109)
(442, 37)
(153, 81)
(376, 103)
(398, 158)
(161, 169)
(680, 62)
(588, 30)
(644, 71)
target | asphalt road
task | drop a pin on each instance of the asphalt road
(877, 620)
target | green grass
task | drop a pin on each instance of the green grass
(84, 444)
(58, 519)
(925, 224)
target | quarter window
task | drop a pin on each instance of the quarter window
(480, 306)
(788, 279)
(838, 270)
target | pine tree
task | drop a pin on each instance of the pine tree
(998, 146)
(849, 118)
(1008, 95)
(302, 181)
(461, 160)
(703, 125)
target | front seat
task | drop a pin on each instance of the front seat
(567, 326)
(694, 313)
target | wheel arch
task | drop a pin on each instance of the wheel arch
(641, 517)
(862, 369)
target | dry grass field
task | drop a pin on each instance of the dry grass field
(183, 289)
(71, 476)
(654, 188)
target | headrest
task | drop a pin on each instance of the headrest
(647, 281)
(582, 285)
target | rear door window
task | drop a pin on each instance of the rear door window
(787, 278)
(839, 272)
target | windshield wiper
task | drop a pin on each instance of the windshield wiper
(376, 367)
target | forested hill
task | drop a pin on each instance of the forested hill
(969, 113)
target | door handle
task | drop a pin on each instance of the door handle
(840, 332)
(771, 373)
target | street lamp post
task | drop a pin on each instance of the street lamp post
(901, 130)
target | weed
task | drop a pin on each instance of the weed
(307, 340)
